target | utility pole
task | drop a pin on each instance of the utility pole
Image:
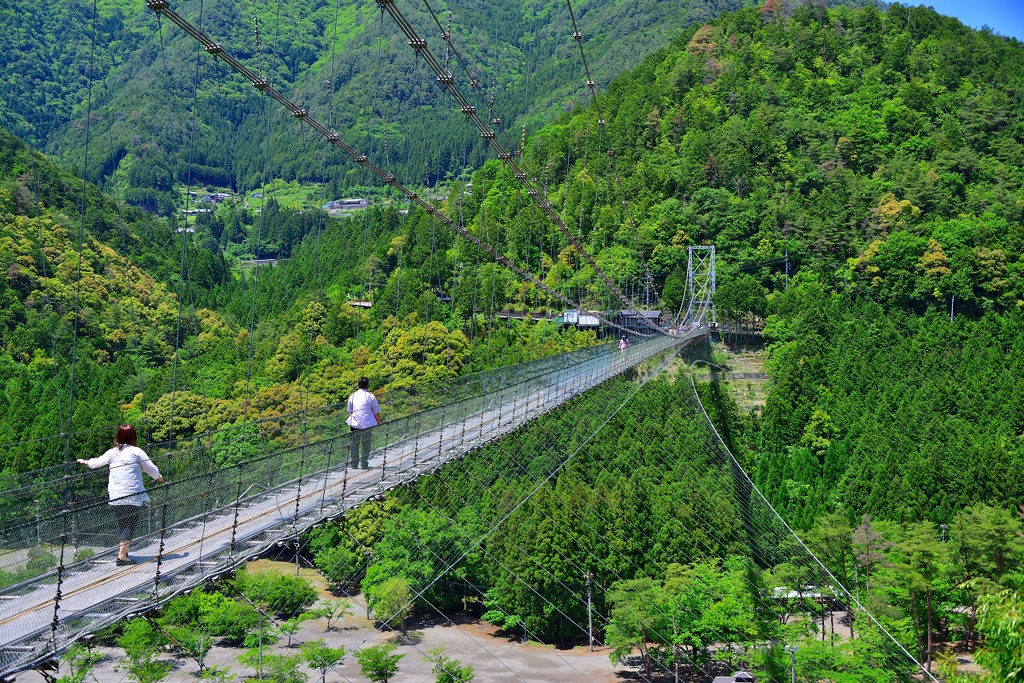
(260, 672)
(787, 270)
(590, 618)
(952, 300)
(792, 658)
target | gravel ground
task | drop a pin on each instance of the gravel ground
(468, 640)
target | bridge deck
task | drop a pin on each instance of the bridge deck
(95, 593)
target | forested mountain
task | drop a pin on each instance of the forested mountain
(877, 151)
(384, 101)
(157, 330)
(882, 150)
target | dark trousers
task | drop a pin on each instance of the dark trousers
(127, 517)
(362, 444)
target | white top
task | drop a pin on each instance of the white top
(125, 482)
(362, 406)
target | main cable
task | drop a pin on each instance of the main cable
(162, 7)
(447, 81)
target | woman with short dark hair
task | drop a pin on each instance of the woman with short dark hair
(124, 485)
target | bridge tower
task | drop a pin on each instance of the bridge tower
(700, 287)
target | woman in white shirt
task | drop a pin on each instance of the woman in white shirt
(124, 486)
(363, 413)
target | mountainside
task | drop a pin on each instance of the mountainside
(880, 150)
(883, 153)
(100, 288)
(157, 331)
(861, 172)
(384, 102)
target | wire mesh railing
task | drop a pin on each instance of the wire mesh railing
(234, 493)
(31, 499)
(22, 492)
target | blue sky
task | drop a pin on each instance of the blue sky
(1005, 17)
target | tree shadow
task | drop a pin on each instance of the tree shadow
(410, 637)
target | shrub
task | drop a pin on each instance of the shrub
(283, 595)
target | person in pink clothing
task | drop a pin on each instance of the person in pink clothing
(127, 493)
(623, 343)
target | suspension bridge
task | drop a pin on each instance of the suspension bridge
(206, 521)
(293, 473)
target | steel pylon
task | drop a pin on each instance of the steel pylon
(699, 303)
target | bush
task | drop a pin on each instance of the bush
(139, 639)
(198, 607)
(234, 622)
(339, 564)
(38, 565)
(283, 595)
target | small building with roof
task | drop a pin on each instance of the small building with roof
(339, 206)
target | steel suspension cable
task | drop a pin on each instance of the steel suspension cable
(66, 501)
(722, 445)
(583, 504)
(450, 565)
(653, 439)
(386, 623)
(544, 480)
(184, 274)
(447, 81)
(321, 218)
(595, 102)
(48, 298)
(465, 503)
(162, 8)
(154, 5)
(127, 270)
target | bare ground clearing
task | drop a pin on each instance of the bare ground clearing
(494, 658)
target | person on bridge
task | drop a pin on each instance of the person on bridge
(363, 414)
(124, 486)
(623, 343)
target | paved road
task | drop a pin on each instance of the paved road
(99, 593)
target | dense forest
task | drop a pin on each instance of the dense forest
(860, 142)
(877, 152)
(159, 330)
(881, 150)
(667, 544)
(146, 82)
(678, 580)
